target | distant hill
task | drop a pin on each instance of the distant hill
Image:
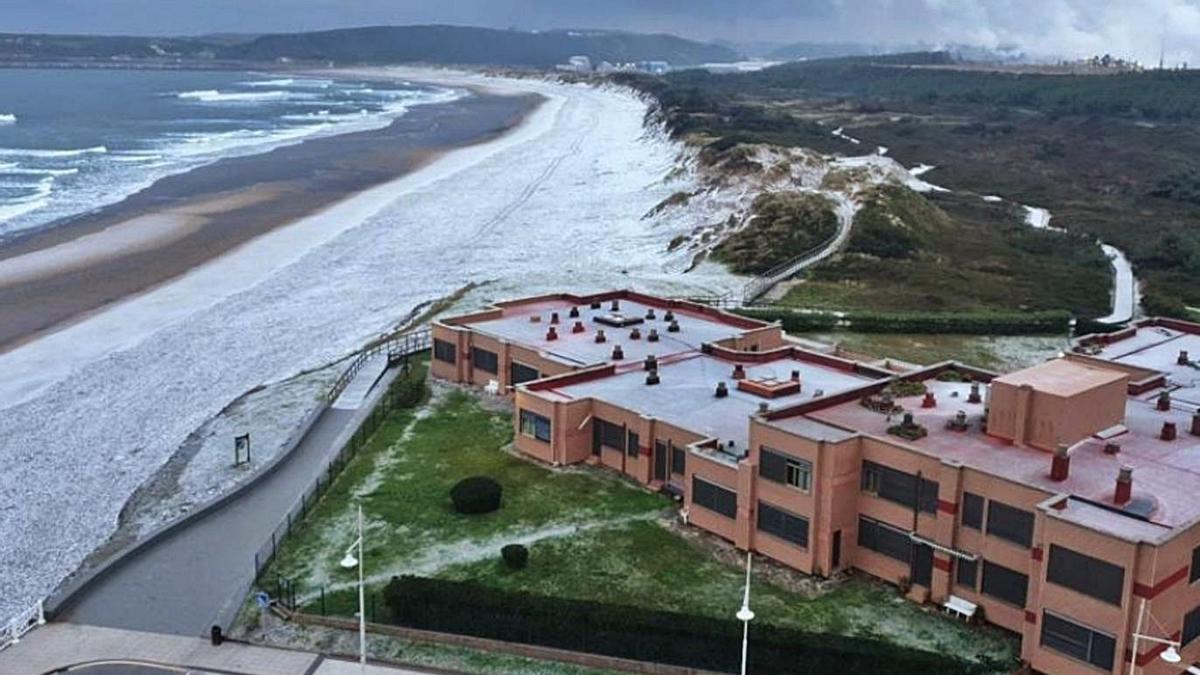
(379, 44)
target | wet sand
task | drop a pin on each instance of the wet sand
(53, 277)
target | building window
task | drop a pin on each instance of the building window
(535, 426)
(870, 477)
(484, 360)
(632, 443)
(1010, 523)
(883, 538)
(1191, 626)
(1078, 641)
(1004, 584)
(966, 572)
(972, 511)
(444, 351)
(780, 468)
(786, 526)
(903, 488)
(678, 459)
(714, 497)
(1195, 565)
(519, 372)
(1090, 576)
(607, 434)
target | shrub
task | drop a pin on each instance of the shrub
(515, 556)
(785, 225)
(477, 494)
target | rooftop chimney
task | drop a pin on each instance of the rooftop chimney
(1124, 485)
(673, 327)
(650, 314)
(929, 401)
(595, 305)
(635, 334)
(669, 316)
(795, 376)
(651, 363)
(551, 333)
(574, 313)
(1164, 401)
(739, 373)
(763, 408)
(722, 390)
(553, 317)
(653, 335)
(617, 353)
(1183, 358)
(974, 397)
(578, 327)
(1060, 466)
(652, 377)
(600, 336)
(1168, 431)
(615, 306)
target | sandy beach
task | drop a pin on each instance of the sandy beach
(61, 274)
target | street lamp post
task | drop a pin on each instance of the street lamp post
(745, 615)
(1170, 654)
(348, 562)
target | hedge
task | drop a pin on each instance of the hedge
(981, 323)
(686, 640)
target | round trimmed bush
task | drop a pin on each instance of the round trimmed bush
(477, 494)
(515, 556)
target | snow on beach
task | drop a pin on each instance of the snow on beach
(90, 412)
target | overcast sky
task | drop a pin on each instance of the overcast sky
(1134, 28)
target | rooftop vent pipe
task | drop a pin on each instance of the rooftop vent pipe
(551, 333)
(739, 373)
(722, 390)
(1060, 466)
(650, 314)
(595, 305)
(615, 306)
(618, 353)
(1168, 431)
(1124, 485)
(1196, 423)
(673, 327)
(578, 327)
(652, 336)
(574, 313)
(669, 316)
(1164, 401)
(553, 317)
(635, 334)
(929, 401)
(600, 336)
(763, 408)
(651, 362)
(1183, 358)
(652, 377)
(974, 396)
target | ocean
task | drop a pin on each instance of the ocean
(72, 141)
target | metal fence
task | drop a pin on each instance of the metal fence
(21, 624)
(398, 349)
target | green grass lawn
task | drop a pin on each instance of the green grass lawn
(592, 535)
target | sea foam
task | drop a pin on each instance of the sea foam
(8, 118)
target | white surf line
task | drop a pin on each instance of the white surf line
(442, 556)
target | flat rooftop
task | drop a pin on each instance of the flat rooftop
(1167, 473)
(685, 396)
(1061, 377)
(1157, 348)
(581, 349)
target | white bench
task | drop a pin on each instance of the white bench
(964, 609)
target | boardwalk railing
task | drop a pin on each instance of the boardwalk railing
(396, 348)
(764, 282)
(404, 344)
(21, 624)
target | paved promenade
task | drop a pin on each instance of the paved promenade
(112, 651)
(198, 576)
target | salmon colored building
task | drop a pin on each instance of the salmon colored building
(1060, 502)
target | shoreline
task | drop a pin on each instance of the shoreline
(57, 276)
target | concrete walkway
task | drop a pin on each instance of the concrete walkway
(59, 646)
(197, 576)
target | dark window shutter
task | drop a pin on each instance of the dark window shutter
(1091, 576)
(772, 465)
(972, 511)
